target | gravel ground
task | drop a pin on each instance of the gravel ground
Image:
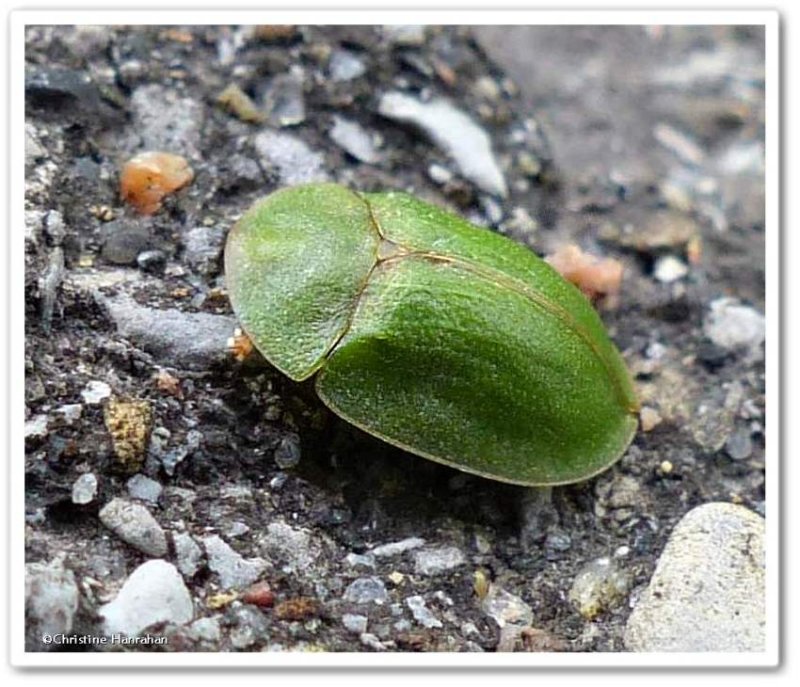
(189, 502)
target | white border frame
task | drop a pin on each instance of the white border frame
(18, 21)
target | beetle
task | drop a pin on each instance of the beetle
(440, 337)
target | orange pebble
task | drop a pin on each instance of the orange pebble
(594, 276)
(150, 176)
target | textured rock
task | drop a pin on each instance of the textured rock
(145, 489)
(187, 340)
(354, 140)
(290, 157)
(439, 560)
(234, 571)
(293, 547)
(421, 612)
(168, 121)
(84, 489)
(708, 590)
(506, 608)
(189, 555)
(455, 133)
(154, 593)
(598, 587)
(732, 326)
(51, 600)
(134, 524)
(365, 590)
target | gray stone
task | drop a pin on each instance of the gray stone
(203, 249)
(51, 601)
(405, 34)
(599, 586)
(360, 560)
(123, 241)
(188, 553)
(206, 629)
(732, 325)
(708, 590)
(145, 489)
(506, 608)
(284, 102)
(354, 140)
(84, 489)
(293, 547)
(372, 641)
(366, 590)
(251, 626)
(290, 157)
(135, 525)
(455, 133)
(345, 66)
(421, 613)
(167, 121)
(234, 571)
(356, 624)
(185, 340)
(398, 547)
(438, 561)
(739, 445)
(154, 593)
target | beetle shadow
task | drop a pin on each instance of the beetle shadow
(386, 487)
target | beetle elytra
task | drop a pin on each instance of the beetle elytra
(440, 337)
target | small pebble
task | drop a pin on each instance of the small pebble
(151, 260)
(668, 269)
(95, 392)
(84, 489)
(405, 34)
(345, 66)
(206, 629)
(439, 174)
(51, 602)
(135, 525)
(233, 570)
(235, 100)
(129, 423)
(733, 325)
(188, 554)
(145, 489)
(396, 548)
(154, 593)
(598, 587)
(506, 608)
(150, 176)
(454, 132)
(354, 140)
(259, 594)
(649, 418)
(357, 624)
(366, 590)
(284, 102)
(439, 560)
(421, 613)
(739, 445)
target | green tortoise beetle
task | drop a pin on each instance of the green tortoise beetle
(440, 337)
